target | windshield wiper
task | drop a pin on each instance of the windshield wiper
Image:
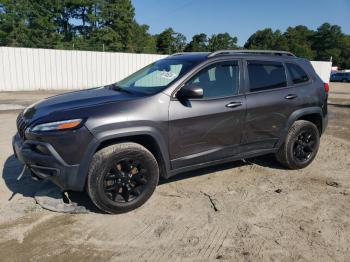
(119, 89)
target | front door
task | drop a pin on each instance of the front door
(210, 128)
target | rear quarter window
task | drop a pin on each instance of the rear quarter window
(264, 75)
(297, 74)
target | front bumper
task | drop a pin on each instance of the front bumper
(43, 160)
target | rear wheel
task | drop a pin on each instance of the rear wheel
(122, 177)
(301, 145)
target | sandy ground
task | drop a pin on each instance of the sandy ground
(233, 212)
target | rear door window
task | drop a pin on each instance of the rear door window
(264, 75)
(297, 74)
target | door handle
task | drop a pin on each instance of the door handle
(291, 96)
(234, 104)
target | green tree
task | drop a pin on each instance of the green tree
(110, 25)
(117, 24)
(199, 43)
(222, 41)
(44, 31)
(299, 40)
(179, 43)
(169, 42)
(345, 53)
(165, 40)
(13, 23)
(142, 41)
(82, 12)
(29, 24)
(267, 39)
(63, 11)
(86, 24)
(329, 41)
(150, 45)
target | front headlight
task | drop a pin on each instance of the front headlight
(59, 125)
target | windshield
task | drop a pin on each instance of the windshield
(155, 77)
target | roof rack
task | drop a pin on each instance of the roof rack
(245, 51)
(179, 53)
(187, 53)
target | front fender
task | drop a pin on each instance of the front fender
(137, 131)
(127, 132)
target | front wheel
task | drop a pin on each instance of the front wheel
(301, 145)
(122, 177)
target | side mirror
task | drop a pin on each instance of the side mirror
(190, 91)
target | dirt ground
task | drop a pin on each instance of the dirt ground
(234, 212)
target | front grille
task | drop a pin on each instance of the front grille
(21, 125)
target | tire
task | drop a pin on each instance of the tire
(344, 80)
(296, 152)
(111, 165)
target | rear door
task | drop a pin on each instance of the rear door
(270, 102)
(208, 129)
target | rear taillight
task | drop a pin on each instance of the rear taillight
(326, 87)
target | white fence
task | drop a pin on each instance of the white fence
(46, 69)
(323, 69)
(24, 69)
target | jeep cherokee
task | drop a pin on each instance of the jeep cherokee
(184, 112)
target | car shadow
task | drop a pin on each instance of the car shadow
(264, 161)
(201, 172)
(28, 187)
(82, 199)
(268, 161)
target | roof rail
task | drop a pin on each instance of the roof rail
(245, 51)
(187, 53)
(179, 53)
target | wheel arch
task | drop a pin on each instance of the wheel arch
(149, 137)
(312, 114)
(314, 118)
(148, 141)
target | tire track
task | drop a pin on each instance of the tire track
(222, 242)
(211, 245)
(139, 235)
(212, 232)
(178, 235)
(216, 244)
(172, 249)
(149, 253)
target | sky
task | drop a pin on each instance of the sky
(240, 18)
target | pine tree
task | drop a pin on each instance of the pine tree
(222, 41)
(199, 43)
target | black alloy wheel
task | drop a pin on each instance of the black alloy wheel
(304, 146)
(122, 177)
(300, 146)
(125, 181)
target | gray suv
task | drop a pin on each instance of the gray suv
(181, 113)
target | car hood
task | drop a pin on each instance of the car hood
(75, 100)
